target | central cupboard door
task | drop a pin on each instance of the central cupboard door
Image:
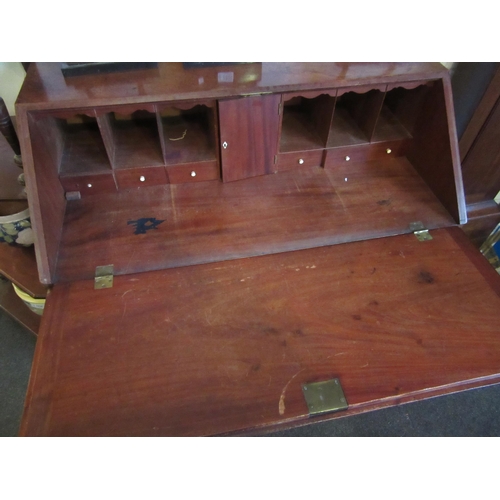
(249, 129)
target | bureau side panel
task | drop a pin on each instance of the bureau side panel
(45, 196)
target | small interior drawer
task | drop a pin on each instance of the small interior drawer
(287, 161)
(89, 184)
(139, 177)
(365, 152)
(193, 172)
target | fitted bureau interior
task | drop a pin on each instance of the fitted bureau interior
(350, 164)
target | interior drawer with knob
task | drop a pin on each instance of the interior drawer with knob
(287, 161)
(193, 172)
(130, 178)
(88, 184)
(365, 152)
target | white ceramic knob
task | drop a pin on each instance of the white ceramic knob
(193, 174)
(142, 178)
(301, 161)
(89, 185)
(224, 145)
(388, 151)
(347, 158)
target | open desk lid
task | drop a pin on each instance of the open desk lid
(227, 347)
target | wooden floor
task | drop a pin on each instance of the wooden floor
(225, 347)
(214, 221)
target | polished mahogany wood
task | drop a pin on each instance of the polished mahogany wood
(298, 132)
(45, 195)
(287, 161)
(434, 152)
(46, 87)
(84, 151)
(214, 221)
(248, 136)
(133, 178)
(86, 185)
(306, 120)
(344, 129)
(388, 127)
(225, 347)
(365, 109)
(193, 172)
(137, 140)
(339, 157)
(188, 136)
(255, 130)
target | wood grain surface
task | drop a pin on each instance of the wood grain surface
(45, 87)
(435, 153)
(45, 194)
(213, 221)
(225, 347)
(252, 124)
(249, 128)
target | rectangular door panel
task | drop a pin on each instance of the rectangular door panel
(249, 136)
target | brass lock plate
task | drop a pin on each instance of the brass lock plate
(324, 397)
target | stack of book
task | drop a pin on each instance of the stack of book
(491, 248)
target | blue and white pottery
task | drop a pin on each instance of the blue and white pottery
(16, 229)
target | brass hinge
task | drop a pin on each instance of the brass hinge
(420, 232)
(103, 277)
(324, 397)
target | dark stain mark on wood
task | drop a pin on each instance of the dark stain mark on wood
(271, 331)
(425, 277)
(357, 317)
(384, 202)
(145, 224)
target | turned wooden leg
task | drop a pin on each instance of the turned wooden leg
(9, 132)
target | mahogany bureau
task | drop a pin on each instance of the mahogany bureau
(241, 247)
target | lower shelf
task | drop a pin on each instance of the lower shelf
(15, 307)
(225, 348)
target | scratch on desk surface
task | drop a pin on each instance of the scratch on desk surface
(281, 404)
